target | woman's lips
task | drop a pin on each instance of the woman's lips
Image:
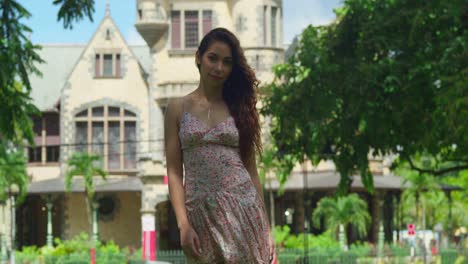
(216, 77)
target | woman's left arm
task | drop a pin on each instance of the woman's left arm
(251, 166)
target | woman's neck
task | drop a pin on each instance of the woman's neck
(211, 93)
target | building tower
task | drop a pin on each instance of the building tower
(258, 25)
(152, 24)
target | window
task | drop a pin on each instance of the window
(175, 29)
(81, 136)
(271, 16)
(189, 26)
(274, 13)
(130, 144)
(47, 139)
(207, 21)
(108, 36)
(52, 124)
(37, 125)
(114, 146)
(112, 135)
(265, 12)
(191, 29)
(107, 65)
(52, 153)
(35, 154)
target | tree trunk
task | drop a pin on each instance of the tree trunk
(375, 217)
(272, 209)
(299, 212)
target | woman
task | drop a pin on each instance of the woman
(214, 133)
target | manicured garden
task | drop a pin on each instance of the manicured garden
(321, 249)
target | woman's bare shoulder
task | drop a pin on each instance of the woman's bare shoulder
(177, 105)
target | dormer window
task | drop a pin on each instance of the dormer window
(108, 37)
(107, 65)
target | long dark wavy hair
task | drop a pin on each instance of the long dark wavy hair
(239, 92)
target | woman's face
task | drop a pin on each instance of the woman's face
(215, 63)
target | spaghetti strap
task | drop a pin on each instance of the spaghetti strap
(183, 104)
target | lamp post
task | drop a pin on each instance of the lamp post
(49, 206)
(306, 222)
(13, 190)
(438, 228)
(4, 253)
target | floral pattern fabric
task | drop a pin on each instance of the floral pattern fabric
(222, 203)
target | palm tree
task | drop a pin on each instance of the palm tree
(84, 164)
(12, 174)
(420, 183)
(341, 211)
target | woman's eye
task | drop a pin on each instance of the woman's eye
(212, 58)
(228, 62)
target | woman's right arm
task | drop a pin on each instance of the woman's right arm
(189, 239)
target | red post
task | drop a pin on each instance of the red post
(92, 252)
(148, 238)
(411, 229)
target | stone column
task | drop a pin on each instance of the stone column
(154, 191)
(377, 203)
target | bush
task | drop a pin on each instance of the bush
(322, 242)
(77, 251)
(27, 255)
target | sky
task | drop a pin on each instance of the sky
(297, 14)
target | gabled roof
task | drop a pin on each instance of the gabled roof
(60, 61)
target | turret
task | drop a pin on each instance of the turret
(258, 24)
(152, 22)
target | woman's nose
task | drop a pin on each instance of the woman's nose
(219, 66)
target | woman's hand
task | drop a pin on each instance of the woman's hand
(190, 242)
(272, 250)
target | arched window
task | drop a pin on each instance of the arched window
(110, 132)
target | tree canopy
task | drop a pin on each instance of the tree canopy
(387, 76)
(19, 58)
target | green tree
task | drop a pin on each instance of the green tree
(342, 211)
(460, 203)
(268, 169)
(19, 58)
(424, 201)
(85, 165)
(12, 172)
(386, 77)
(419, 184)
